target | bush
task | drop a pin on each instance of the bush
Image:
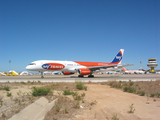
(158, 95)
(152, 95)
(76, 105)
(132, 90)
(115, 117)
(57, 108)
(40, 91)
(6, 88)
(125, 89)
(23, 82)
(116, 85)
(131, 108)
(74, 94)
(129, 89)
(138, 92)
(110, 84)
(131, 83)
(142, 93)
(9, 94)
(67, 92)
(79, 85)
(77, 97)
(85, 88)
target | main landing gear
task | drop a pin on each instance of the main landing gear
(42, 75)
(88, 76)
(80, 76)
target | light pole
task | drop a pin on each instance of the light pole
(9, 64)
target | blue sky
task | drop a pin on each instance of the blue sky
(78, 30)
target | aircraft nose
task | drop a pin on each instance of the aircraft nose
(28, 67)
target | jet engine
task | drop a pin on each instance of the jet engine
(83, 71)
(67, 73)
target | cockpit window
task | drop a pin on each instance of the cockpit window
(32, 64)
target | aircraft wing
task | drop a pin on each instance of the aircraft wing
(109, 67)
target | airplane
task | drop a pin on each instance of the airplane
(14, 73)
(82, 68)
(25, 73)
(133, 71)
(2, 73)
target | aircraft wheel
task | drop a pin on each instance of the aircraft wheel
(90, 75)
(80, 75)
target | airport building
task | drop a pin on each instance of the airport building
(152, 63)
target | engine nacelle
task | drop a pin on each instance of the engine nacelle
(67, 73)
(84, 71)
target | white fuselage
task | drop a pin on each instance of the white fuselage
(69, 66)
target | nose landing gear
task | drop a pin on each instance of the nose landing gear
(42, 75)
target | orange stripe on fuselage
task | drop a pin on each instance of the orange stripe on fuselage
(93, 64)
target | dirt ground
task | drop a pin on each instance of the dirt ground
(112, 101)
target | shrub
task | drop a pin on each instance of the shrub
(57, 108)
(67, 92)
(110, 84)
(83, 94)
(142, 93)
(132, 90)
(79, 85)
(85, 88)
(115, 117)
(76, 105)
(66, 111)
(93, 103)
(129, 89)
(131, 108)
(40, 91)
(23, 82)
(152, 95)
(158, 95)
(131, 83)
(74, 94)
(138, 92)
(6, 88)
(9, 94)
(125, 89)
(125, 84)
(77, 97)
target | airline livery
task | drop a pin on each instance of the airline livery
(82, 68)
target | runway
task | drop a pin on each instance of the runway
(73, 78)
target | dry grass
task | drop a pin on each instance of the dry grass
(23, 97)
(151, 88)
(66, 106)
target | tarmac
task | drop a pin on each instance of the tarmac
(73, 78)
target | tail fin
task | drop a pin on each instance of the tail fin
(118, 57)
(124, 69)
